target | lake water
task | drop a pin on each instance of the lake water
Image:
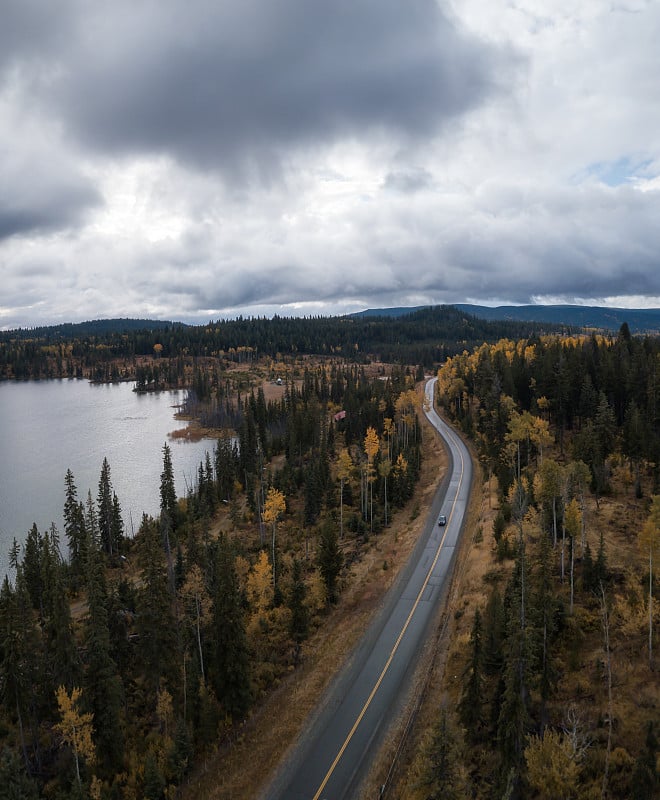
(47, 427)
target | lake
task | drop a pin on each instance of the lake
(47, 427)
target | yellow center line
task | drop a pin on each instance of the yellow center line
(396, 644)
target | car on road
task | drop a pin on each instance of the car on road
(442, 520)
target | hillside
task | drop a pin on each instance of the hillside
(640, 320)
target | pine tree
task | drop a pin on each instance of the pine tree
(18, 657)
(157, 630)
(514, 720)
(168, 512)
(63, 664)
(154, 781)
(116, 525)
(168, 501)
(230, 669)
(299, 625)
(104, 509)
(470, 707)
(646, 781)
(32, 568)
(74, 530)
(443, 776)
(543, 612)
(103, 690)
(15, 783)
(330, 560)
(495, 633)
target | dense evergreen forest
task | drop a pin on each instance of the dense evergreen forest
(105, 352)
(557, 693)
(123, 662)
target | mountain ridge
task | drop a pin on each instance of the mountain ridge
(639, 320)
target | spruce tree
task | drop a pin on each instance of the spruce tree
(646, 781)
(443, 776)
(494, 633)
(32, 572)
(168, 512)
(18, 643)
(74, 530)
(103, 687)
(15, 782)
(471, 705)
(330, 560)
(230, 667)
(63, 663)
(157, 643)
(116, 526)
(168, 501)
(299, 625)
(104, 509)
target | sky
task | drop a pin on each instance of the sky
(194, 160)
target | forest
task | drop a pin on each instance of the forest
(102, 351)
(124, 661)
(556, 692)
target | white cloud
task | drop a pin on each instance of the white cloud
(374, 155)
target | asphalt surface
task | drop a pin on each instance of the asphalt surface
(336, 749)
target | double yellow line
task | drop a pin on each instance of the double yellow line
(357, 722)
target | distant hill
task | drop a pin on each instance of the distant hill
(640, 320)
(97, 327)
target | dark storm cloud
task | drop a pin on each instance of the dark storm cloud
(41, 196)
(227, 84)
(28, 29)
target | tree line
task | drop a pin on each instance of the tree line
(104, 352)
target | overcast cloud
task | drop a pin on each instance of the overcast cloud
(195, 160)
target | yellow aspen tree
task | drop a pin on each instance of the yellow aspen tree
(371, 448)
(649, 542)
(552, 767)
(75, 728)
(516, 434)
(405, 408)
(401, 465)
(274, 507)
(260, 585)
(540, 435)
(344, 472)
(197, 602)
(165, 711)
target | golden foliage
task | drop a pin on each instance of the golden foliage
(74, 727)
(552, 769)
(260, 585)
(274, 506)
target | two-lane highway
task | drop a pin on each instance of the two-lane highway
(335, 751)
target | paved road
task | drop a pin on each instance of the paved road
(336, 750)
